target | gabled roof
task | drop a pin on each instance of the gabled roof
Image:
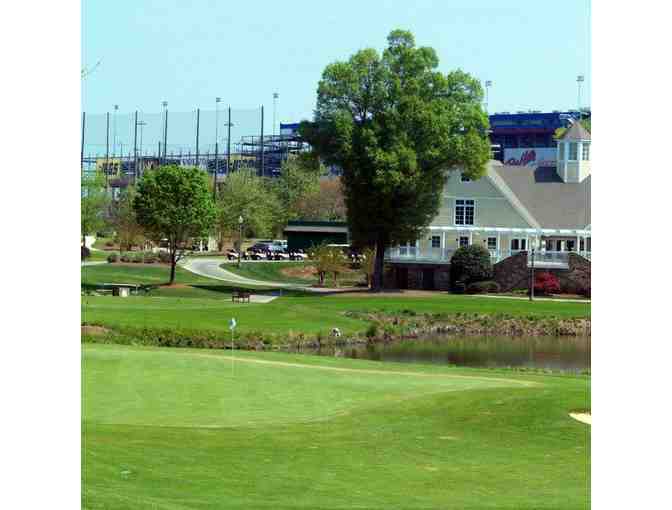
(550, 201)
(576, 133)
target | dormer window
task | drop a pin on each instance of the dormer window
(464, 178)
(573, 151)
(585, 151)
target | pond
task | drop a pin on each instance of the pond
(570, 354)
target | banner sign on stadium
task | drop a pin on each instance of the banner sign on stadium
(538, 156)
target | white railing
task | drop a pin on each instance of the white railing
(443, 255)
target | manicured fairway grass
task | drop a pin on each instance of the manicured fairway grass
(308, 314)
(178, 429)
(188, 283)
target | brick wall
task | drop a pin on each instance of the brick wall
(513, 274)
(416, 274)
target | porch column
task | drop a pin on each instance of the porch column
(444, 248)
(498, 253)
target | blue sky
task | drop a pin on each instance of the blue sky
(190, 52)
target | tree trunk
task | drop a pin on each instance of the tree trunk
(377, 280)
(173, 263)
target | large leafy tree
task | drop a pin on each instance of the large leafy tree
(94, 205)
(174, 203)
(245, 194)
(298, 179)
(327, 203)
(396, 126)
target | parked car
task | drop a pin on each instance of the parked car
(280, 255)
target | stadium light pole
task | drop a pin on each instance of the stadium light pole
(275, 107)
(228, 143)
(579, 80)
(488, 84)
(165, 130)
(142, 124)
(114, 131)
(214, 177)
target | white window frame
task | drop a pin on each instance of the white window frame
(575, 146)
(465, 203)
(585, 151)
(459, 241)
(522, 243)
(488, 243)
(431, 241)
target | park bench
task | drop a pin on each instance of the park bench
(240, 295)
(122, 289)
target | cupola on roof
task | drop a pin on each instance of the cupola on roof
(576, 133)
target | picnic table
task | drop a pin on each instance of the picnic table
(240, 295)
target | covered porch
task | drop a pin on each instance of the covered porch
(549, 247)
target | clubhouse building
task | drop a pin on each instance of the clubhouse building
(511, 211)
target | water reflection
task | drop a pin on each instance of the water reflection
(556, 353)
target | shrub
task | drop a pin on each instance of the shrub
(109, 244)
(125, 257)
(470, 264)
(86, 253)
(138, 258)
(483, 287)
(150, 258)
(112, 257)
(546, 283)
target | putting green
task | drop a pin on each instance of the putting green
(176, 429)
(215, 389)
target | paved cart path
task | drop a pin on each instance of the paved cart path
(210, 268)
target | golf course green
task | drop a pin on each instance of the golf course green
(195, 429)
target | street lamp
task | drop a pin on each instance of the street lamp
(240, 238)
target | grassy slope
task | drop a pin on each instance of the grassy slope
(268, 271)
(272, 272)
(307, 314)
(167, 429)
